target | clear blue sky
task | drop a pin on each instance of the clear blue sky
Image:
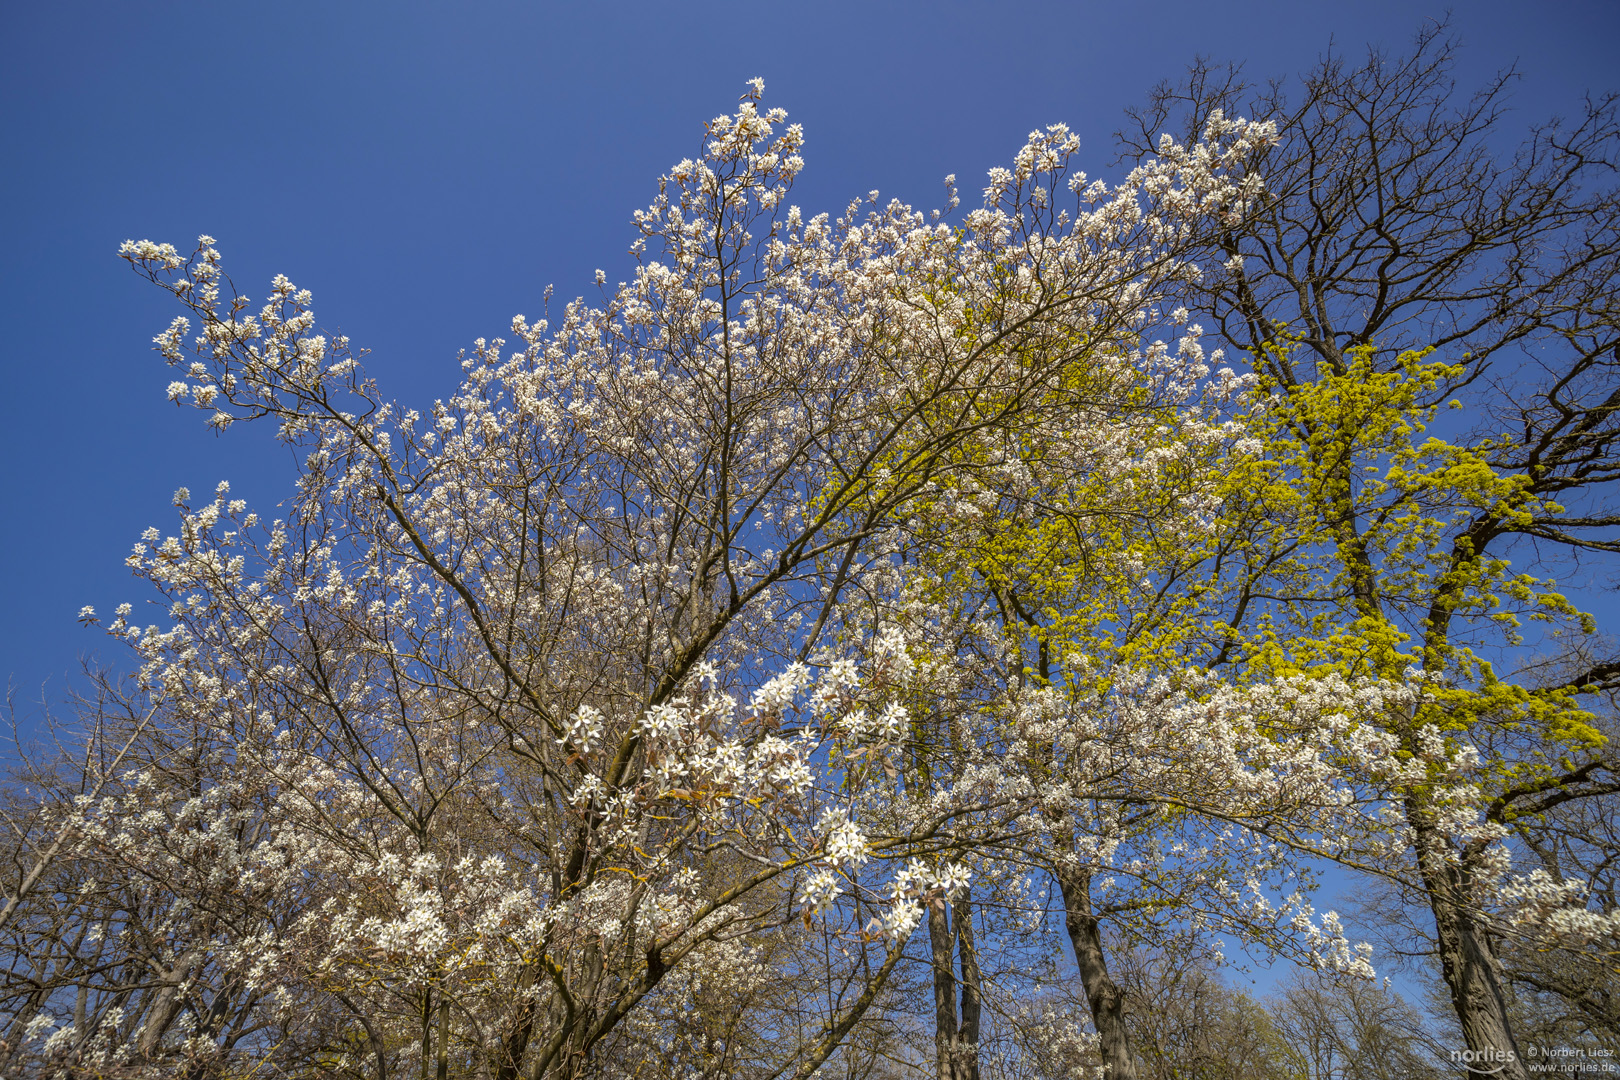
(426, 169)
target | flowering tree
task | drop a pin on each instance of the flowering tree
(1397, 269)
(1062, 599)
(545, 717)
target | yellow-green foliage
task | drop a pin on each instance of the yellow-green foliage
(1350, 540)
(1082, 563)
(1386, 524)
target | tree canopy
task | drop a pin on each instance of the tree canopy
(807, 654)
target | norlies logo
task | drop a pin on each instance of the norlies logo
(1486, 1061)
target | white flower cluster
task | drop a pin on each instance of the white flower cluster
(550, 689)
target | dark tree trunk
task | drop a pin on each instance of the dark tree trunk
(516, 1042)
(443, 1071)
(941, 946)
(1106, 998)
(967, 1033)
(956, 1036)
(1466, 959)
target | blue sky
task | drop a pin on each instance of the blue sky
(427, 169)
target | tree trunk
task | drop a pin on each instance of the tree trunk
(967, 1033)
(950, 936)
(1106, 998)
(516, 1042)
(427, 1031)
(1466, 960)
(941, 947)
(166, 1005)
(443, 1072)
